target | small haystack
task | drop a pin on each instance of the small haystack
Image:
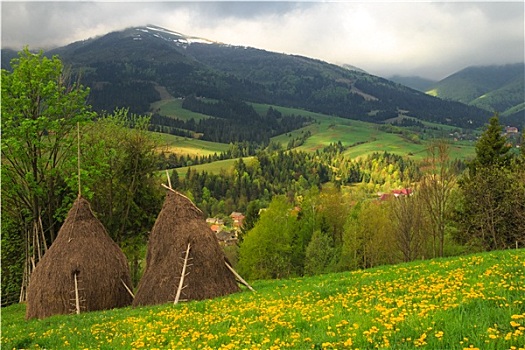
(184, 259)
(84, 270)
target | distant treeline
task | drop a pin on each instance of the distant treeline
(289, 172)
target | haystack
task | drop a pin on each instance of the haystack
(83, 270)
(182, 246)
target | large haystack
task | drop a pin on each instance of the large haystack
(82, 249)
(180, 222)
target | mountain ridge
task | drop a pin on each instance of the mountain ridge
(495, 88)
(123, 67)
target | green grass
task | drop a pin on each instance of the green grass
(454, 303)
(212, 168)
(173, 108)
(364, 138)
(188, 146)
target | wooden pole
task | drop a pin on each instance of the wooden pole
(127, 288)
(78, 159)
(183, 274)
(169, 180)
(239, 278)
(77, 299)
(180, 194)
(41, 228)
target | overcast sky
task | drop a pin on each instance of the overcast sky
(429, 39)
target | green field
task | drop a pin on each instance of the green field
(212, 168)
(361, 137)
(364, 138)
(173, 108)
(469, 302)
(188, 146)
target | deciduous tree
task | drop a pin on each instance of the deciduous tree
(267, 249)
(41, 107)
(435, 190)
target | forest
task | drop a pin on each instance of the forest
(233, 121)
(306, 212)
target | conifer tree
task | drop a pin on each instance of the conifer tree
(492, 148)
(491, 212)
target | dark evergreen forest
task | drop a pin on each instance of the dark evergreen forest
(232, 121)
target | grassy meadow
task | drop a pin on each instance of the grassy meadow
(212, 168)
(172, 107)
(188, 146)
(363, 138)
(469, 302)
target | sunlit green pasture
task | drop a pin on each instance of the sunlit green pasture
(363, 138)
(173, 108)
(189, 146)
(212, 168)
(473, 301)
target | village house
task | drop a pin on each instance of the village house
(227, 238)
(403, 192)
(216, 228)
(216, 221)
(511, 130)
(238, 219)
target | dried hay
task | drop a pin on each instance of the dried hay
(82, 248)
(180, 222)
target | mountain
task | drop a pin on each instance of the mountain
(493, 88)
(133, 67)
(350, 67)
(414, 82)
(7, 56)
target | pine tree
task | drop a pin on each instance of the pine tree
(492, 211)
(492, 148)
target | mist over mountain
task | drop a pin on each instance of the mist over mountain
(128, 68)
(414, 82)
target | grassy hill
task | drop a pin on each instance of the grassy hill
(362, 138)
(212, 168)
(172, 107)
(189, 146)
(472, 301)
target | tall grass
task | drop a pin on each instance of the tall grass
(475, 301)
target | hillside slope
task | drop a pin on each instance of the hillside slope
(454, 303)
(493, 88)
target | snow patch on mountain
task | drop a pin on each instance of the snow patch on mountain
(176, 37)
